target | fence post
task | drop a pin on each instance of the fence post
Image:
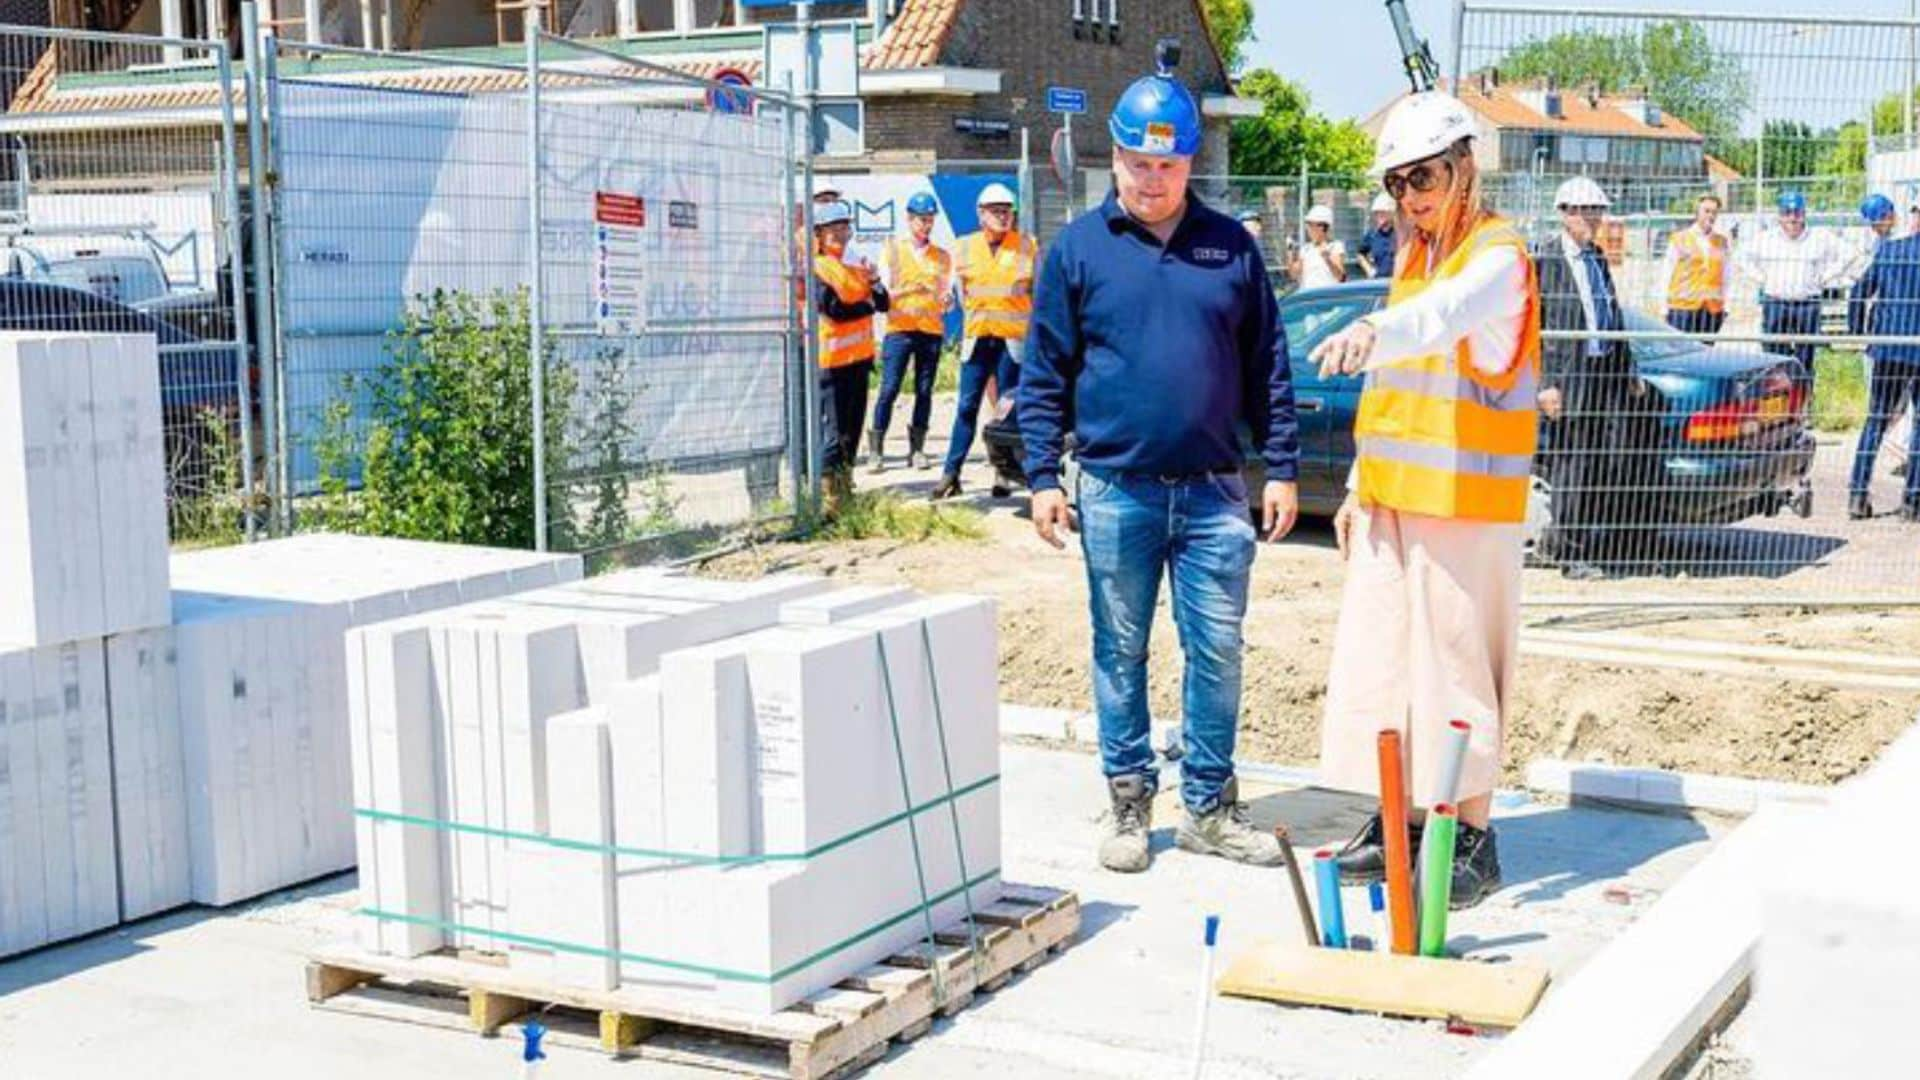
(1300, 216)
(796, 346)
(1459, 44)
(809, 380)
(266, 346)
(536, 338)
(230, 207)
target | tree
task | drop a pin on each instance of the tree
(1674, 61)
(1232, 24)
(1288, 134)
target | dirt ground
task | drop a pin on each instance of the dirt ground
(1621, 715)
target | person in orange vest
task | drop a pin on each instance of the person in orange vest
(848, 295)
(919, 277)
(1431, 529)
(1697, 272)
(994, 273)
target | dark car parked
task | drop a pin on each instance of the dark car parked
(1718, 434)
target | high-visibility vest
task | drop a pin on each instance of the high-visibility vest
(1699, 272)
(1435, 435)
(922, 281)
(844, 341)
(997, 285)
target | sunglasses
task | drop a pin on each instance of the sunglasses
(1423, 177)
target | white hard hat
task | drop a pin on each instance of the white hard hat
(1420, 126)
(996, 195)
(1580, 191)
(1383, 204)
(833, 213)
(1320, 215)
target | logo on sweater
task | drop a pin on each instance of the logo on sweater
(1211, 255)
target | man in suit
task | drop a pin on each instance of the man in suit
(1585, 385)
(1886, 301)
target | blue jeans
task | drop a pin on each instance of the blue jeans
(1197, 531)
(924, 351)
(991, 359)
(1892, 386)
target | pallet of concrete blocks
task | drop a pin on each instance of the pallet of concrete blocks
(57, 877)
(83, 511)
(748, 822)
(230, 725)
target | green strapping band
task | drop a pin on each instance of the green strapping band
(676, 856)
(723, 974)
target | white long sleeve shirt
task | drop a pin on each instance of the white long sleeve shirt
(1484, 303)
(1792, 268)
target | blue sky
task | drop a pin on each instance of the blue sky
(1343, 51)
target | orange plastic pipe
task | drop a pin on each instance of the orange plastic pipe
(1393, 821)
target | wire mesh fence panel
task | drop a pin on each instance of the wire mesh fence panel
(668, 301)
(1727, 316)
(119, 214)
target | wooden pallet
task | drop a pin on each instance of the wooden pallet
(831, 1033)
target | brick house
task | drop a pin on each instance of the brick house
(941, 80)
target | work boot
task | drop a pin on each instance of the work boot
(1476, 867)
(876, 452)
(838, 490)
(947, 488)
(1124, 848)
(1227, 831)
(1859, 507)
(1364, 860)
(917, 449)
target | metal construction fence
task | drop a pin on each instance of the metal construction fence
(130, 223)
(408, 190)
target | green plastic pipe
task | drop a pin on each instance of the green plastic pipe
(1436, 877)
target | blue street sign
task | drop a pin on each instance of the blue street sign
(1066, 99)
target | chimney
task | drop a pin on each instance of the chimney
(1593, 94)
(1486, 82)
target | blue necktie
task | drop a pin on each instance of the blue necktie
(1606, 310)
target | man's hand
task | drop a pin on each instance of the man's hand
(1343, 522)
(1550, 402)
(1051, 517)
(1279, 509)
(1346, 352)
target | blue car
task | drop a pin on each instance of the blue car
(1720, 434)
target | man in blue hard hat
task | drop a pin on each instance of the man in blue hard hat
(919, 277)
(1886, 301)
(1794, 265)
(1155, 337)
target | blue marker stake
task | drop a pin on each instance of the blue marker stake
(1377, 901)
(530, 1053)
(1206, 996)
(1333, 920)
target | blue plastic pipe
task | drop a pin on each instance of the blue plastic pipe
(1333, 920)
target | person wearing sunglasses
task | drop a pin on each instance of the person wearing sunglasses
(1431, 529)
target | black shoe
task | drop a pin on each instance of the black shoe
(1859, 507)
(1476, 867)
(1364, 860)
(947, 488)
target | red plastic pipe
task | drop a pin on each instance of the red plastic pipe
(1393, 821)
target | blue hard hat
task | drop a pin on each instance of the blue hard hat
(1793, 202)
(1876, 208)
(922, 204)
(1157, 115)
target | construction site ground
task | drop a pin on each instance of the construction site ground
(220, 993)
(1796, 729)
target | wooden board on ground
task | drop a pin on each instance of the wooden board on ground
(835, 1031)
(1492, 995)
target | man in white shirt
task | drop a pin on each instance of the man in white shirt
(1793, 265)
(1323, 260)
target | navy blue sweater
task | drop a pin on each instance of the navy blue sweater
(1154, 356)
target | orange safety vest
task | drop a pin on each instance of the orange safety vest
(997, 285)
(922, 281)
(849, 341)
(1438, 437)
(1699, 272)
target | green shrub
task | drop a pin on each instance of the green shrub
(1839, 392)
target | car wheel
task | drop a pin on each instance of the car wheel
(1538, 523)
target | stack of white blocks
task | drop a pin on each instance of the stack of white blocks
(164, 745)
(83, 555)
(653, 713)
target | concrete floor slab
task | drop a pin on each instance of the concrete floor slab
(204, 994)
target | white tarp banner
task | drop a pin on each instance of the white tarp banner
(177, 225)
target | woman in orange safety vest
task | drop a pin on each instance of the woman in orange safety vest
(1431, 529)
(848, 296)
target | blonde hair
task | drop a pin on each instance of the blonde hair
(1465, 210)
